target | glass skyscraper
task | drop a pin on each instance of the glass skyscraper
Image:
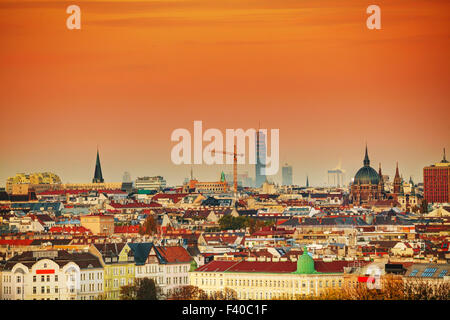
(261, 154)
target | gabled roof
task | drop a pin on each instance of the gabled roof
(109, 248)
(141, 251)
(172, 254)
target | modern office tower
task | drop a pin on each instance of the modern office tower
(126, 177)
(336, 176)
(243, 179)
(436, 182)
(261, 154)
(286, 175)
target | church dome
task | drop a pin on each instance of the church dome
(305, 264)
(367, 174)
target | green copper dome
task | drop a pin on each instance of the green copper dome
(305, 264)
(367, 174)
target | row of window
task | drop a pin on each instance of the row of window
(114, 284)
(119, 271)
(91, 276)
(268, 283)
(177, 280)
(91, 287)
(46, 278)
(154, 269)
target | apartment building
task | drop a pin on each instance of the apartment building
(52, 275)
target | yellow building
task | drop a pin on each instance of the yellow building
(117, 260)
(21, 182)
(259, 279)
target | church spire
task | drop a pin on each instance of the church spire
(397, 175)
(397, 181)
(307, 182)
(366, 158)
(380, 174)
(98, 177)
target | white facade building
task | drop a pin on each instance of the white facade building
(52, 275)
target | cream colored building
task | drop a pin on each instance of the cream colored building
(98, 223)
(259, 279)
(52, 275)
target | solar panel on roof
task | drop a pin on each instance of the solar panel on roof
(413, 273)
(442, 273)
(429, 272)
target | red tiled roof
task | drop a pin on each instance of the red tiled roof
(175, 197)
(174, 254)
(76, 191)
(126, 229)
(16, 242)
(74, 229)
(273, 267)
(220, 238)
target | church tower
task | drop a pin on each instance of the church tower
(397, 182)
(380, 183)
(98, 177)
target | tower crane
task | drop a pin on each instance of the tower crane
(235, 155)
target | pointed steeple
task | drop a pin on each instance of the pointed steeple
(380, 174)
(397, 175)
(307, 182)
(98, 176)
(397, 181)
(366, 158)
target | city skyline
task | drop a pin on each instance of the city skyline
(241, 169)
(241, 151)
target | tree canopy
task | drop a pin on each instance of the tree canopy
(142, 289)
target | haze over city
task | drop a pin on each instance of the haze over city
(137, 71)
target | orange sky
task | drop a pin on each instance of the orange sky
(137, 70)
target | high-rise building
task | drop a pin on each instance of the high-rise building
(98, 176)
(243, 179)
(336, 176)
(436, 182)
(286, 175)
(261, 154)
